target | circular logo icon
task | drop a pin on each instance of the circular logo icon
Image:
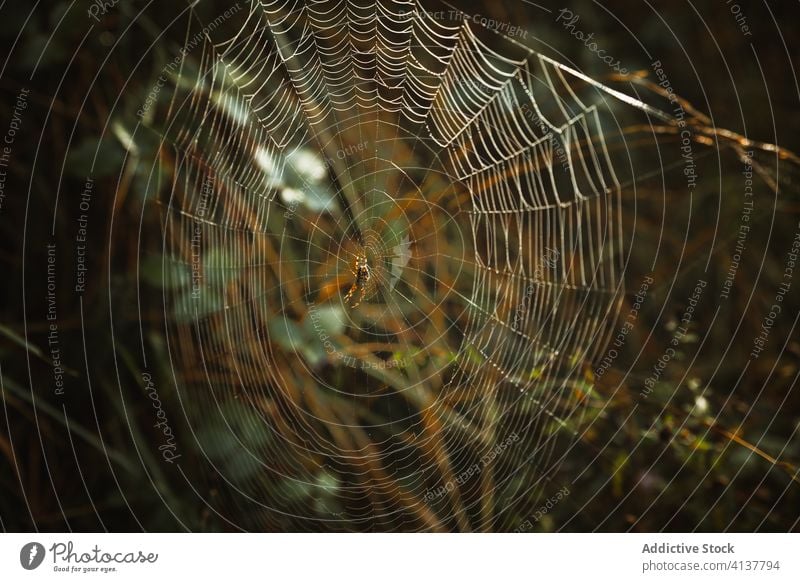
(31, 555)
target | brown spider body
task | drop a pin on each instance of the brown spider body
(362, 273)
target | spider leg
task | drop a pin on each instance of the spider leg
(360, 297)
(350, 293)
(363, 293)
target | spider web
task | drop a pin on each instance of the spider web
(474, 175)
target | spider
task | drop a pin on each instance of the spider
(363, 274)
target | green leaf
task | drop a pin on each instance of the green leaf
(326, 318)
(164, 272)
(287, 334)
(96, 157)
(191, 306)
(233, 425)
(218, 268)
(20, 341)
(39, 47)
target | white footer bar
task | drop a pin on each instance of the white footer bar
(401, 557)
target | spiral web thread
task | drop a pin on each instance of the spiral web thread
(542, 210)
